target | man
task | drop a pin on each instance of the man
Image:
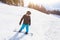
(26, 22)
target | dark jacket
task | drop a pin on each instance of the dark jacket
(26, 20)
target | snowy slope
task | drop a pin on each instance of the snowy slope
(43, 26)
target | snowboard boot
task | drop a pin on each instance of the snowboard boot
(26, 32)
(19, 31)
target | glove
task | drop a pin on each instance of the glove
(29, 24)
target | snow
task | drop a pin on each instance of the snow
(43, 26)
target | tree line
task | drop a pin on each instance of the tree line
(13, 2)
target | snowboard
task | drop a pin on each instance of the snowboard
(31, 34)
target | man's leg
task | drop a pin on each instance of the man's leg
(27, 29)
(23, 25)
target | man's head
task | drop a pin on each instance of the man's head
(28, 13)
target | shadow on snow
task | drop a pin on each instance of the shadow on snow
(15, 37)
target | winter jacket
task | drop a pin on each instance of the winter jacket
(26, 20)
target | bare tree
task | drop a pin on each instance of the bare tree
(10, 2)
(21, 2)
(4, 1)
(14, 2)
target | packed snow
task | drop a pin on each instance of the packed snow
(43, 26)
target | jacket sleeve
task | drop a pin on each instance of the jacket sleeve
(21, 20)
(30, 21)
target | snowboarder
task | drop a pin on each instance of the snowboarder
(26, 22)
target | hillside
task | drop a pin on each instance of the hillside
(43, 26)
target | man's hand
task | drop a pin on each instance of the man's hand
(29, 24)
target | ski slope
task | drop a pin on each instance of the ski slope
(43, 26)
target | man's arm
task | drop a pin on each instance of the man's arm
(30, 21)
(21, 20)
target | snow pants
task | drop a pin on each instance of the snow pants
(25, 26)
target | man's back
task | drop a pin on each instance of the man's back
(26, 19)
(26, 22)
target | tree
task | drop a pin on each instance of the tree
(13, 2)
(37, 7)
